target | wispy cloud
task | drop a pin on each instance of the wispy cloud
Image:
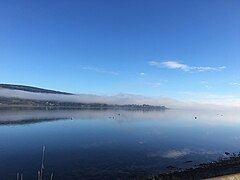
(99, 70)
(235, 84)
(153, 84)
(205, 84)
(184, 67)
(142, 74)
(214, 99)
(170, 65)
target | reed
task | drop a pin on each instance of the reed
(40, 173)
(51, 178)
(40, 177)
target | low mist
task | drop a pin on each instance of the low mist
(119, 99)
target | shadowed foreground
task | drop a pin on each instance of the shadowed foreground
(224, 167)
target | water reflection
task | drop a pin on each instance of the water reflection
(16, 116)
(96, 144)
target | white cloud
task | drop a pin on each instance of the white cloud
(142, 74)
(200, 69)
(184, 67)
(170, 65)
(235, 84)
(99, 70)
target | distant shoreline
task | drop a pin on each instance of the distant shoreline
(29, 107)
(45, 104)
(28, 96)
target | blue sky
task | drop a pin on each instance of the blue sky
(166, 48)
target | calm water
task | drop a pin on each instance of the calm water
(94, 145)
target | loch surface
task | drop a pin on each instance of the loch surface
(107, 144)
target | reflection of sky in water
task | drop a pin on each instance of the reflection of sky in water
(93, 144)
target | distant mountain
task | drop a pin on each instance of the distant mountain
(31, 89)
(18, 101)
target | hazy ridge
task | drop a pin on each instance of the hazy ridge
(27, 96)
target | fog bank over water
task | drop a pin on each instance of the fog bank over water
(122, 99)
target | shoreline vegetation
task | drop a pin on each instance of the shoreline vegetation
(44, 104)
(225, 166)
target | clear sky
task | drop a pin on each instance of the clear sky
(184, 49)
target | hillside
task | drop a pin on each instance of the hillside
(31, 89)
(17, 101)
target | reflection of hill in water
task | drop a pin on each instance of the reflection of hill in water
(29, 121)
(25, 116)
(28, 116)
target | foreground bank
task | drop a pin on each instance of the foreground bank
(225, 166)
